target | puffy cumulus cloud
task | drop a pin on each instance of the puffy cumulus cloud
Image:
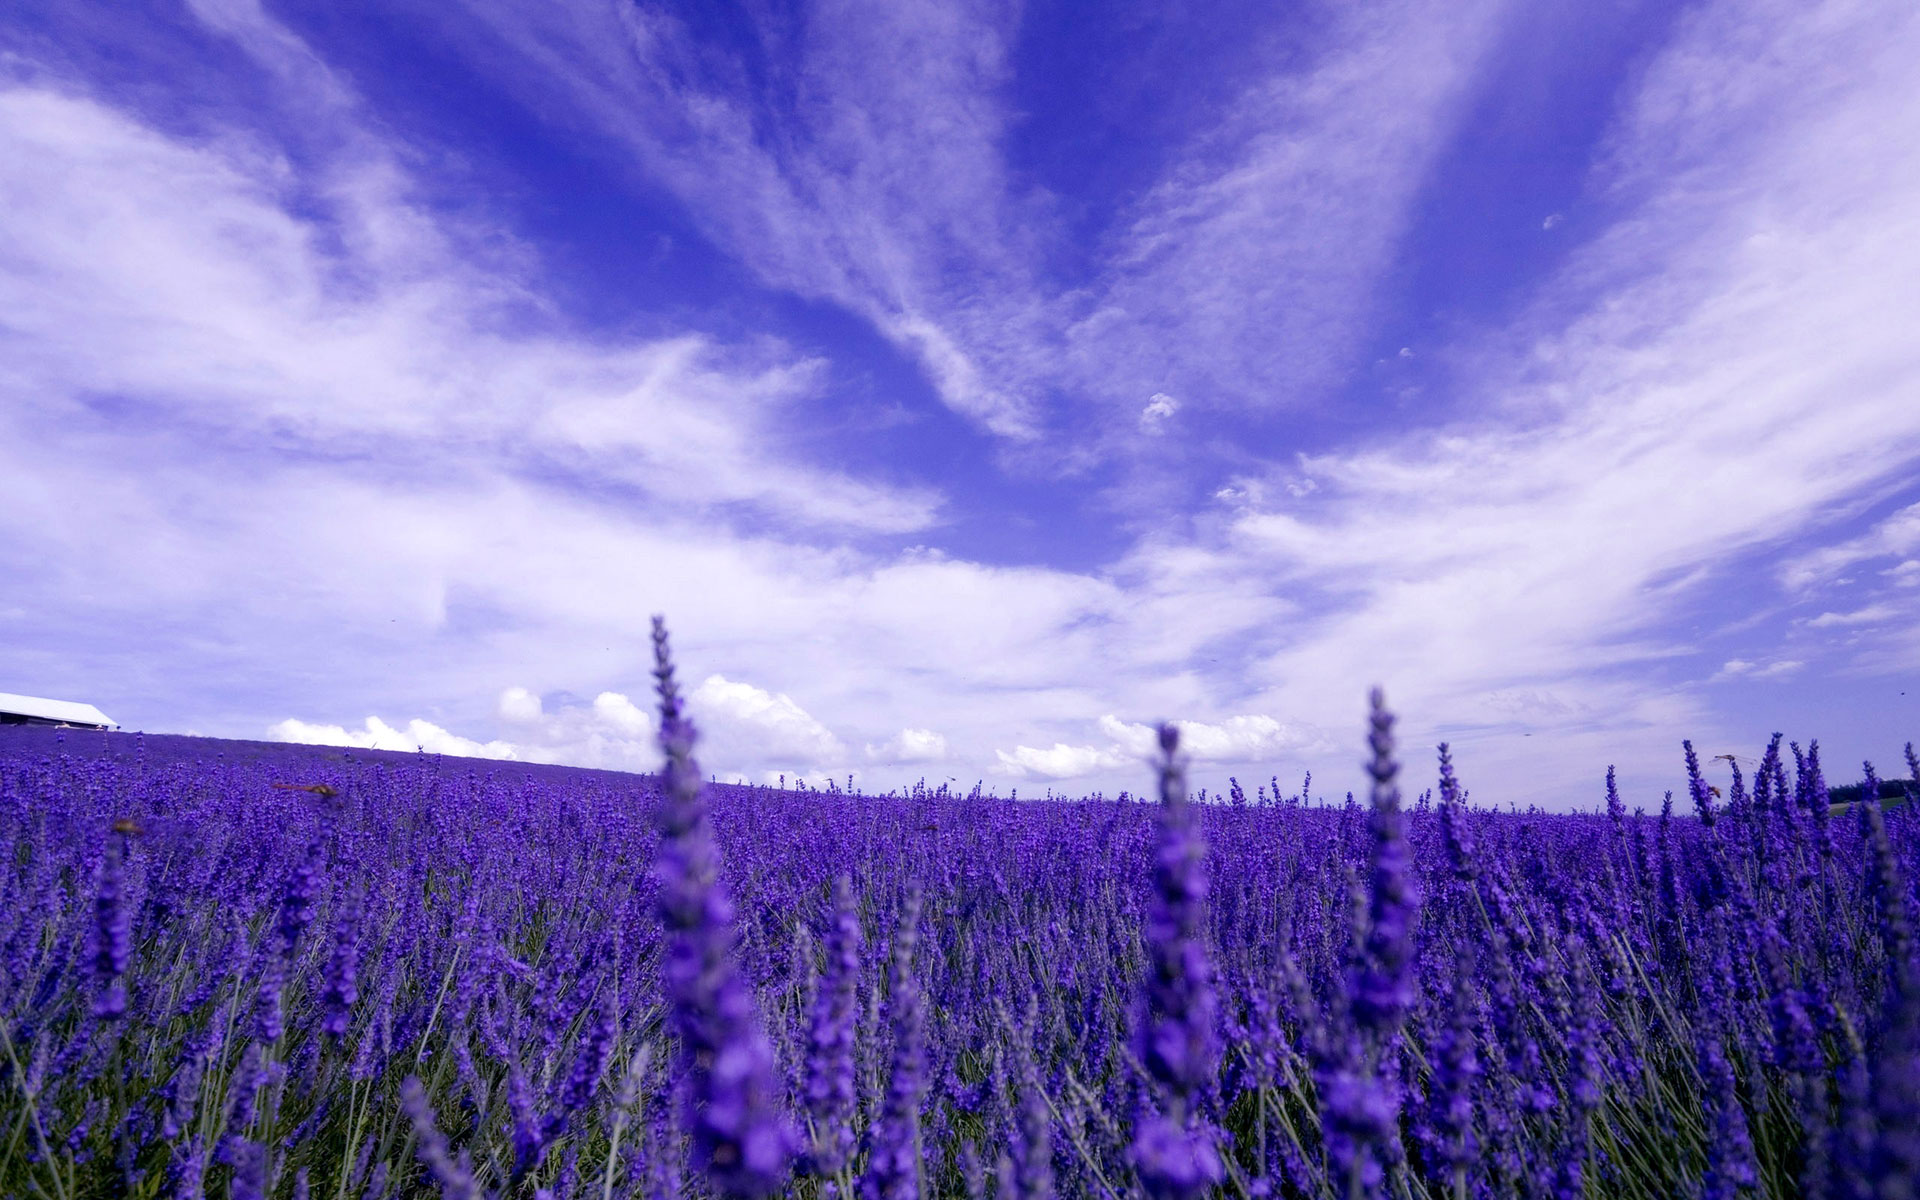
(910, 746)
(519, 706)
(1131, 745)
(745, 724)
(619, 713)
(378, 735)
(1060, 762)
(612, 733)
(1239, 739)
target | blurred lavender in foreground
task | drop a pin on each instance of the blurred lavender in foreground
(1360, 1098)
(830, 1092)
(113, 931)
(893, 1160)
(1173, 1148)
(740, 1139)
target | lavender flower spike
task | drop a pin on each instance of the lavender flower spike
(342, 978)
(113, 933)
(1175, 1156)
(739, 1138)
(453, 1174)
(893, 1166)
(830, 1068)
(1384, 985)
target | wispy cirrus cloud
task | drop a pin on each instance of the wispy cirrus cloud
(174, 284)
(861, 166)
(819, 170)
(1665, 407)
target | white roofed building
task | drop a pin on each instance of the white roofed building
(31, 710)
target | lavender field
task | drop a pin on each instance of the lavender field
(279, 971)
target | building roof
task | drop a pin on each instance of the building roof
(69, 712)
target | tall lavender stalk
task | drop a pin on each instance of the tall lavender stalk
(893, 1164)
(1173, 1151)
(1359, 1094)
(454, 1173)
(830, 1068)
(1384, 985)
(740, 1139)
(113, 932)
(342, 986)
(1894, 1165)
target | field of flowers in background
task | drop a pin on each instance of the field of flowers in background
(295, 972)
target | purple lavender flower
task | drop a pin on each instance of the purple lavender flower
(590, 1066)
(893, 1160)
(1175, 1155)
(1894, 1166)
(182, 1091)
(269, 1017)
(452, 1173)
(296, 901)
(528, 1131)
(1358, 1114)
(1453, 829)
(740, 1140)
(1383, 987)
(1889, 892)
(342, 980)
(1697, 786)
(189, 1168)
(113, 933)
(830, 1071)
(249, 1163)
(1031, 1161)
(1355, 1073)
(1175, 1159)
(1450, 1093)
(1730, 1163)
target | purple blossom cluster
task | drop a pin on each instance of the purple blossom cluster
(230, 969)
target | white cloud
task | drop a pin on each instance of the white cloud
(1898, 534)
(519, 706)
(1060, 762)
(1133, 746)
(1906, 574)
(178, 277)
(752, 725)
(1300, 185)
(910, 746)
(1247, 273)
(1873, 614)
(1158, 412)
(611, 733)
(1239, 739)
(378, 735)
(1710, 377)
(1738, 668)
(621, 714)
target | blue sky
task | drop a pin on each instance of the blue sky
(971, 384)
